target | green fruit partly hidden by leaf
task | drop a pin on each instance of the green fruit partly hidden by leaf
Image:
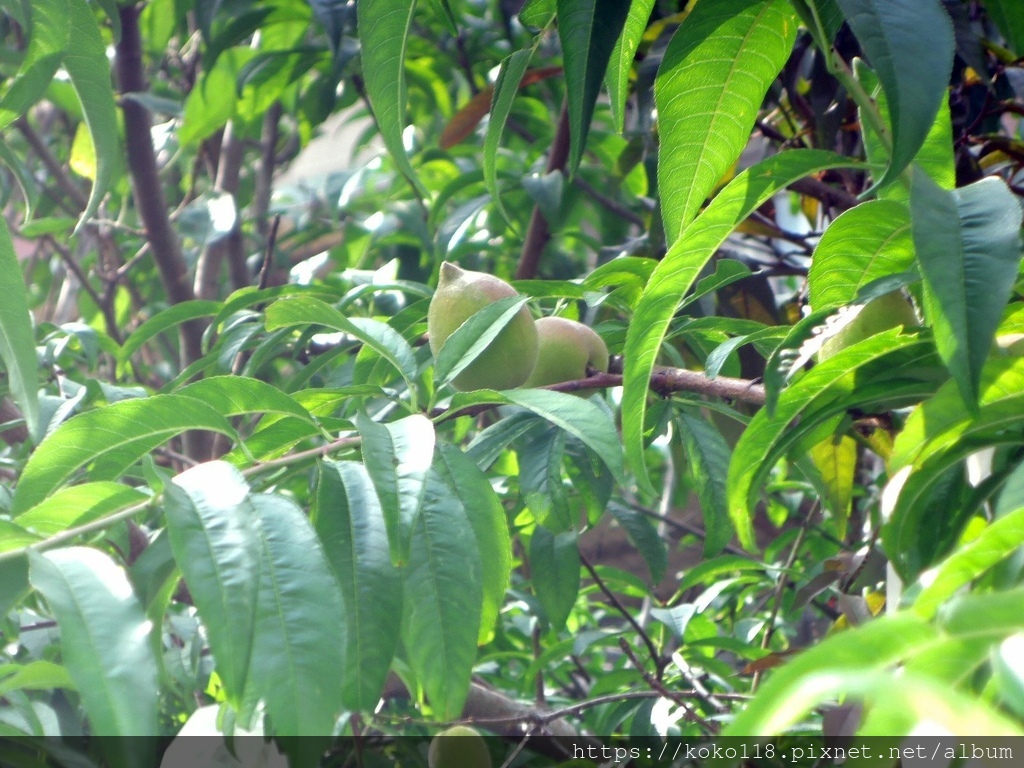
(508, 360)
(459, 747)
(1011, 344)
(567, 348)
(877, 316)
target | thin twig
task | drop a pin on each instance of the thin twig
(73, 533)
(656, 684)
(612, 698)
(611, 205)
(54, 168)
(663, 381)
(295, 458)
(780, 588)
(113, 330)
(699, 688)
(268, 253)
(668, 485)
(834, 197)
(659, 662)
(265, 171)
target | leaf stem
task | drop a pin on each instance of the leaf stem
(81, 530)
(840, 71)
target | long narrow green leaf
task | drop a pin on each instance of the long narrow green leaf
(17, 341)
(936, 155)
(13, 582)
(645, 537)
(79, 504)
(237, 395)
(580, 418)
(1006, 15)
(1003, 537)
(105, 643)
(382, 338)
(443, 594)
(490, 443)
(89, 69)
(47, 44)
(349, 521)
(487, 518)
(34, 676)
(883, 367)
(510, 74)
(398, 456)
(383, 29)
(863, 244)
(210, 524)
(969, 249)
(471, 338)
(797, 686)
(942, 422)
(555, 573)
(298, 654)
(996, 614)
(708, 454)
(835, 466)
(891, 710)
(540, 479)
(621, 60)
(165, 320)
(27, 183)
(827, 12)
(939, 435)
(710, 85)
(588, 30)
(110, 440)
(910, 44)
(213, 100)
(13, 536)
(675, 274)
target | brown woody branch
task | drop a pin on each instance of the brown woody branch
(142, 167)
(665, 381)
(833, 197)
(538, 232)
(17, 433)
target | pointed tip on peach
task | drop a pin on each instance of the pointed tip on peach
(450, 271)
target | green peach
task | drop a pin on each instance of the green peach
(1011, 344)
(879, 315)
(567, 348)
(509, 359)
(458, 747)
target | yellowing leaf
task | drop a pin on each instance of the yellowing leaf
(83, 153)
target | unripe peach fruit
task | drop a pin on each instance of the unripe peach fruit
(567, 348)
(879, 315)
(510, 358)
(458, 747)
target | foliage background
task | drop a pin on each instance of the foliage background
(235, 483)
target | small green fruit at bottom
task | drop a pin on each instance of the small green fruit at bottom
(509, 359)
(567, 348)
(879, 315)
(459, 747)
